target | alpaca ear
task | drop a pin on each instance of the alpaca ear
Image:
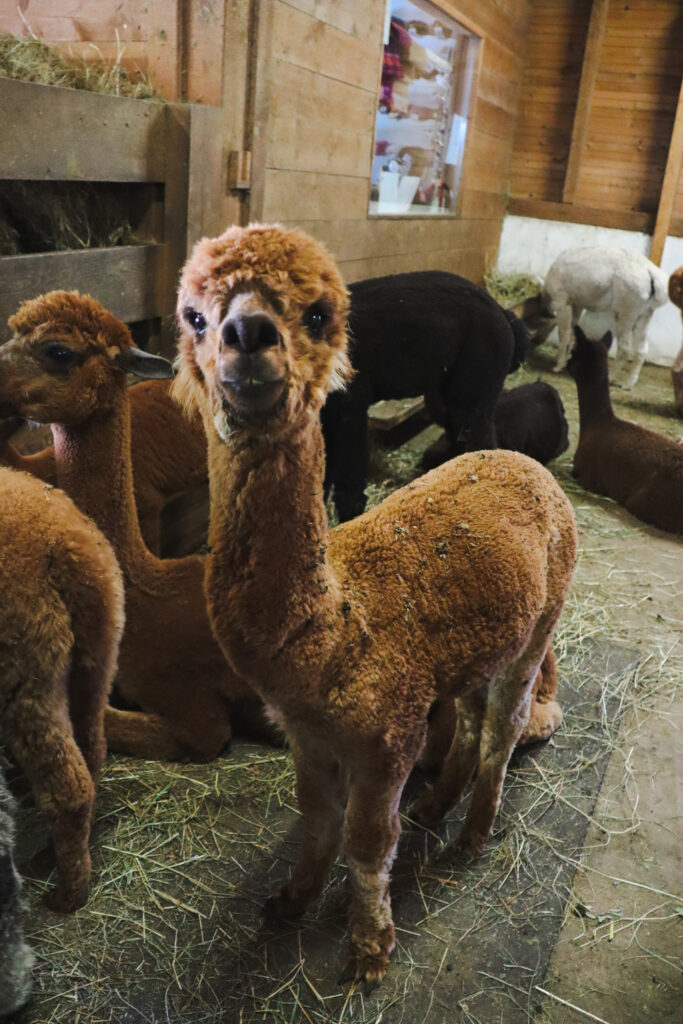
(144, 364)
(580, 337)
(606, 340)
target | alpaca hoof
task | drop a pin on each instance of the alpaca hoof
(365, 970)
(545, 720)
(281, 906)
(471, 846)
(64, 900)
(425, 811)
(369, 958)
(559, 369)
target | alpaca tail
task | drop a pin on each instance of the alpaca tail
(522, 340)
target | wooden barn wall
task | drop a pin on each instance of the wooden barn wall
(316, 97)
(631, 112)
(297, 82)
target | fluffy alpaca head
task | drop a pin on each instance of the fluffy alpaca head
(262, 317)
(65, 352)
(587, 353)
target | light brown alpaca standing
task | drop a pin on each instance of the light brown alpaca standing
(66, 365)
(451, 587)
(61, 619)
(168, 453)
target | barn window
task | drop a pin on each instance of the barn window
(427, 74)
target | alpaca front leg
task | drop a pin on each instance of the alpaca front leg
(321, 795)
(371, 831)
(565, 316)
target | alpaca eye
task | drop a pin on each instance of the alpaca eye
(316, 319)
(195, 320)
(59, 355)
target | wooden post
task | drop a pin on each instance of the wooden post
(589, 74)
(667, 196)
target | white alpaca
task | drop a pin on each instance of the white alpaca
(599, 279)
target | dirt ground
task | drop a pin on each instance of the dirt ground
(575, 912)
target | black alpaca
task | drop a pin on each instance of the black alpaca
(426, 333)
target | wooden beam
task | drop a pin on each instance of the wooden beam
(672, 173)
(589, 74)
(628, 220)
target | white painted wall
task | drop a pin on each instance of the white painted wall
(529, 246)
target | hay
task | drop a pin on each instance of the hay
(30, 59)
(511, 289)
(47, 216)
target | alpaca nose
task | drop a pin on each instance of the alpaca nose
(250, 333)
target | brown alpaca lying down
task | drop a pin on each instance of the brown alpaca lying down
(451, 588)
(676, 296)
(168, 452)
(61, 619)
(66, 365)
(640, 469)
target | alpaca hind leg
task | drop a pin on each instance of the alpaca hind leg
(546, 714)
(440, 732)
(321, 795)
(43, 745)
(154, 737)
(565, 319)
(371, 831)
(507, 713)
(460, 763)
(636, 356)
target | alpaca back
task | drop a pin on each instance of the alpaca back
(638, 468)
(456, 567)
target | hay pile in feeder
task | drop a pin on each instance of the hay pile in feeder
(510, 289)
(32, 60)
(48, 216)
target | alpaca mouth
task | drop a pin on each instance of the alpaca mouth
(252, 397)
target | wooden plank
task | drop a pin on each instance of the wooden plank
(360, 18)
(301, 134)
(166, 47)
(629, 220)
(125, 279)
(310, 43)
(204, 40)
(391, 412)
(672, 175)
(238, 93)
(52, 132)
(206, 174)
(589, 74)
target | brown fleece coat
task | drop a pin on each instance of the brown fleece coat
(61, 620)
(170, 665)
(168, 453)
(640, 469)
(451, 588)
(676, 296)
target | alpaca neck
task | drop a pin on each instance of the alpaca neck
(595, 405)
(94, 467)
(269, 582)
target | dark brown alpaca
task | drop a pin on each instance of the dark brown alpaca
(66, 365)
(451, 588)
(168, 453)
(640, 469)
(61, 620)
